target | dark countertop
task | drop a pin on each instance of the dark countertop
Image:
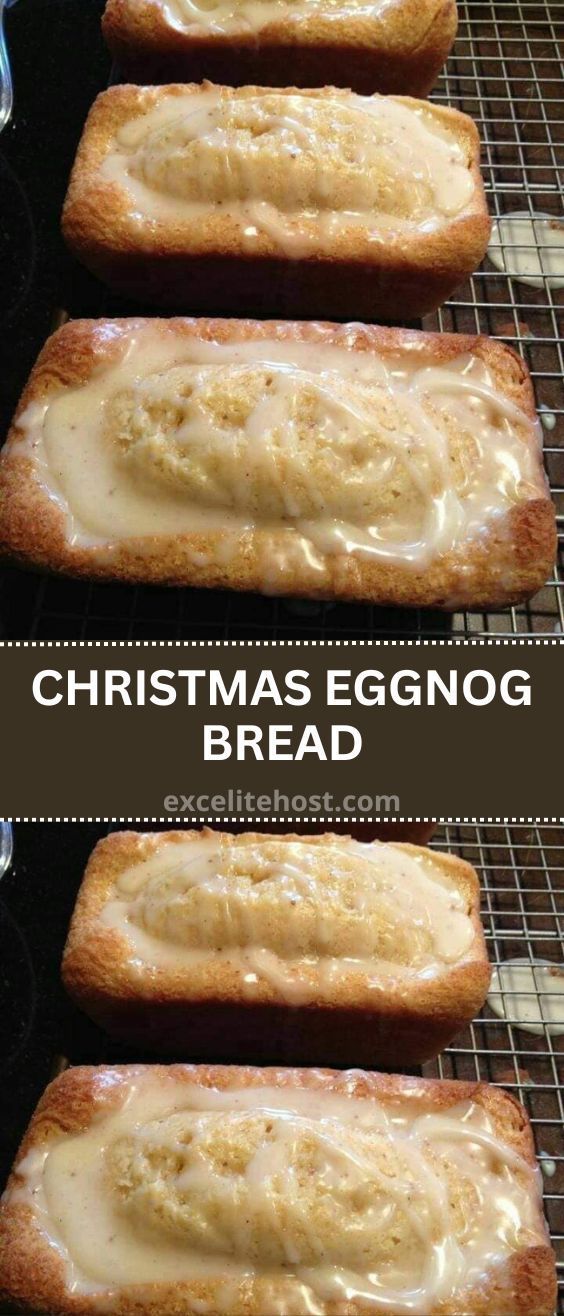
(37, 1022)
(59, 64)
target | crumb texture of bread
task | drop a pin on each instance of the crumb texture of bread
(397, 46)
(283, 200)
(374, 951)
(308, 459)
(187, 1189)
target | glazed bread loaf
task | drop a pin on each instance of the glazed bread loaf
(313, 949)
(302, 459)
(285, 202)
(191, 1191)
(391, 46)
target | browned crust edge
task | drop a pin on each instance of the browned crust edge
(33, 1274)
(209, 266)
(186, 1012)
(509, 564)
(401, 51)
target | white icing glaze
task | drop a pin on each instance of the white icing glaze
(529, 995)
(334, 451)
(296, 915)
(313, 1195)
(251, 15)
(297, 168)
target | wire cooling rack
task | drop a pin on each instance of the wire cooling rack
(507, 73)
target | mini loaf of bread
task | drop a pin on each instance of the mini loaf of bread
(285, 202)
(192, 1191)
(390, 46)
(314, 949)
(304, 459)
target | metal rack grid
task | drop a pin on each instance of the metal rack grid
(521, 871)
(507, 72)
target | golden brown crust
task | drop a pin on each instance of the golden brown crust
(206, 263)
(401, 50)
(32, 1272)
(202, 1009)
(509, 563)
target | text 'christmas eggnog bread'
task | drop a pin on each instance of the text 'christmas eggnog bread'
(317, 949)
(305, 459)
(192, 1191)
(288, 202)
(388, 46)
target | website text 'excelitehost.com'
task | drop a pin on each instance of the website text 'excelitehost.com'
(238, 802)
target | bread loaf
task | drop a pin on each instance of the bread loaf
(277, 202)
(190, 1190)
(327, 461)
